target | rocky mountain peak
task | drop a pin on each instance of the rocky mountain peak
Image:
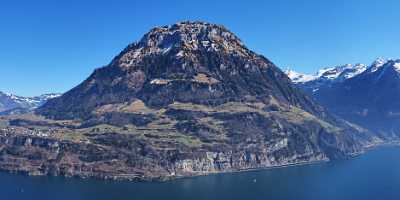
(384, 66)
(341, 72)
(189, 33)
(189, 62)
(393, 64)
(379, 62)
(184, 41)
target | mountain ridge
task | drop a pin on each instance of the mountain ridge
(10, 101)
(368, 99)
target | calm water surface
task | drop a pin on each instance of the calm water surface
(373, 176)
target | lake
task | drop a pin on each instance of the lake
(372, 176)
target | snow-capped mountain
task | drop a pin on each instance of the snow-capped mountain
(368, 96)
(10, 102)
(326, 77)
(377, 64)
(297, 77)
(341, 73)
(328, 74)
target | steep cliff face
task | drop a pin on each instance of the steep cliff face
(151, 156)
(40, 156)
(187, 99)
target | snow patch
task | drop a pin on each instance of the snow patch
(166, 49)
(397, 66)
(159, 81)
(205, 43)
(180, 54)
(299, 77)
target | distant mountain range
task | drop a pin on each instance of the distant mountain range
(365, 95)
(10, 103)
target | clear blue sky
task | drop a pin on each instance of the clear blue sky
(51, 46)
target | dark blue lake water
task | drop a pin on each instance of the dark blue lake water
(373, 176)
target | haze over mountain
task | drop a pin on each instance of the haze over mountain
(10, 103)
(187, 99)
(368, 96)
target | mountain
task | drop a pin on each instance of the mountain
(187, 99)
(10, 102)
(370, 98)
(326, 76)
(189, 63)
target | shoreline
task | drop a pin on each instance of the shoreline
(353, 156)
(365, 150)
